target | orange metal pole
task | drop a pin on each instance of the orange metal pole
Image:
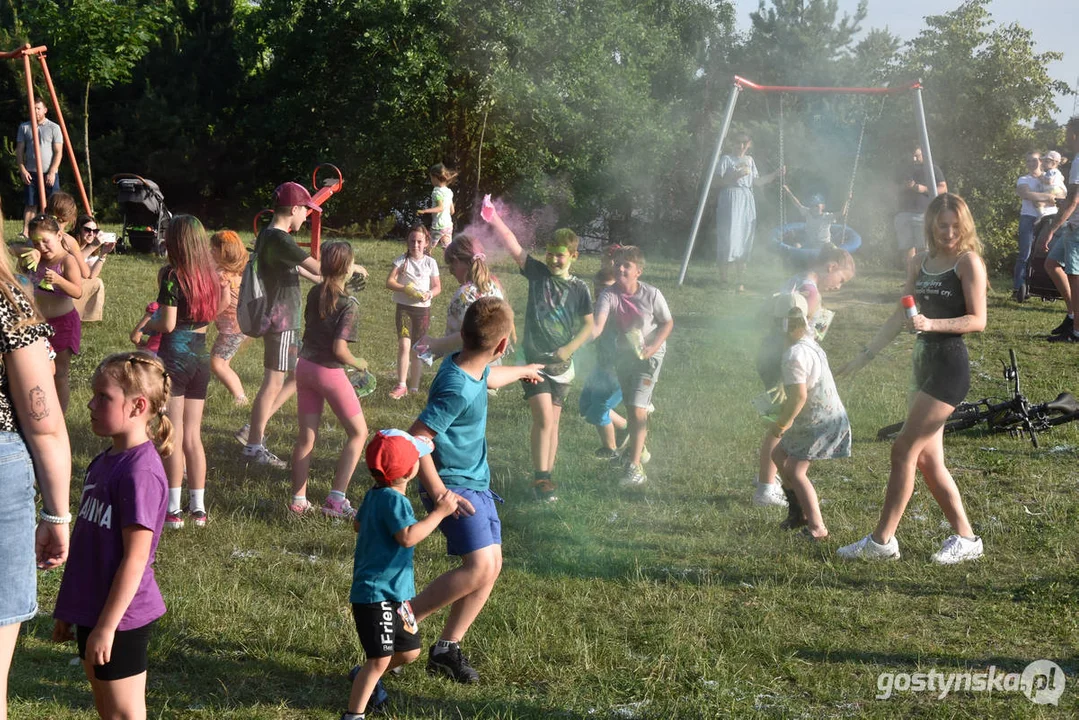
(63, 131)
(33, 130)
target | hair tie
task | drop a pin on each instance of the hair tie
(479, 256)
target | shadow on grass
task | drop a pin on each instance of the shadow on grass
(1003, 663)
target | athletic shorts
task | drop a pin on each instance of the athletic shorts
(942, 368)
(280, 350)
(68, 332)
(469, 533)
(547, 386)
(129, 656)
(386, 628)
(600, 394)
(638, 380)
(315, 384)
(186, 361)
(226, 345)
(412, 322)
(910, 231)
(1065, 249)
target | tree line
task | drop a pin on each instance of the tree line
(599, 114)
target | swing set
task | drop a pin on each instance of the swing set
(848, 238)
(25, 53)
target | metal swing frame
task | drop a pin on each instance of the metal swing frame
(741, 84)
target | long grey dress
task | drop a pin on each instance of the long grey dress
(736, 212)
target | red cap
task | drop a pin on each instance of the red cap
(392, 454)
(290, 194)
(907, 301)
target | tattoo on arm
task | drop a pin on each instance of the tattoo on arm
(39, 410)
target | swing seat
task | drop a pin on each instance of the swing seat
(783, 239)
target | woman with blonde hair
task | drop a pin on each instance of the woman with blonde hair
(948, 283)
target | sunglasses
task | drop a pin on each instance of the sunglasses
(92, 231)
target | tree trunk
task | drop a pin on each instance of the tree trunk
(86, 143)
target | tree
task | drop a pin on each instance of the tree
(97, 44)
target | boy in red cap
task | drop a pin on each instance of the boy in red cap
(382, 577)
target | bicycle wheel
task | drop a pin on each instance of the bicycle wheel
(964, 417)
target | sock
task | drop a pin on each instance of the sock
(442, 646)
(195, 500)
(174, 499)
(299, 499)
(541, 475)
(336, 495)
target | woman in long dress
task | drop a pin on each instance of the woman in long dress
(736, 211)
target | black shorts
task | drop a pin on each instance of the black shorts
(942, 368)
(187, 362)
(557, 390)
(280, 351)
(128, 652)
(386, 628)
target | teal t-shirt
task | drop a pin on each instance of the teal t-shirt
(382, 569)
(457, 413)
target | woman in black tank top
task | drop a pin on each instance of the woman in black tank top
(949, 286)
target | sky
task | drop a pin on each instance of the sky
(1052, 24)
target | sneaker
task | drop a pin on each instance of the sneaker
(398, 392)
(198, 517)
(301, 509)
(453, 664)
(1065, 327)
(957, 549)
(646, 456)
(379, 696)
(338, 509)
(174, 520)
(769, 495)
(1068, 337)
(634, 476)
(242, 434)
(869, 549)
(545, 490)
(606, 454)
(261, 456)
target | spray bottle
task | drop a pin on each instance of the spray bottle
(910, 307)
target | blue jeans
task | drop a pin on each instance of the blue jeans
(18, 594)
(1026, 243)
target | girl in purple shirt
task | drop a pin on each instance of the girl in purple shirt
(108, 591)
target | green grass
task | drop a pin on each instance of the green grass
(677, 601)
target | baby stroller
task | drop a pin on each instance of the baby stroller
(145, 214)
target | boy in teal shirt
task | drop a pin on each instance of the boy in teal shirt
(455, 421)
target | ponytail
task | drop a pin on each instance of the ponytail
(468, 250)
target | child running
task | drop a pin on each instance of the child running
(109, 590)
(331, 322)
(811, 423)
(441, 204)
(57, 283)
(644, 324)
(230, 256)
(382, 577)
(455, 419)
(601, 393)
(828, 272)
(558, 321)
(415, 283)
(189, 297)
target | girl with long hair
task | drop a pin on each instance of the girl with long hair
(415, 283)
(230, 255)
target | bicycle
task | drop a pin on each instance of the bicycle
(1016, 416)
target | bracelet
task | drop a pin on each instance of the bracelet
(54, 519)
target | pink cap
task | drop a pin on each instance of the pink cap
(907, 301)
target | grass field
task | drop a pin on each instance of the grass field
(679, 600)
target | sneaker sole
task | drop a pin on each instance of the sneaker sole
(179, 525)
(440, 670)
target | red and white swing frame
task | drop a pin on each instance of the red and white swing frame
(741, 84)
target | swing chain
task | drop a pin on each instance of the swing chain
(782, 174)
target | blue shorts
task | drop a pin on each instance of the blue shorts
(600, 394)
(29, 192)
(1065, 249)
(469, 533)
(18, 560)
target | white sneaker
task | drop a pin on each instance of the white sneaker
(869, 549)
(957, 549)
(261, 456)
(634, 476)
(769, 495)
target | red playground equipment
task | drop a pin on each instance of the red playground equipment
(25, 53)
(319, 195)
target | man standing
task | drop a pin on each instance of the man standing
(50, 145)
(914, 197)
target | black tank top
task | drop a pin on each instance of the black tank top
(940, 296)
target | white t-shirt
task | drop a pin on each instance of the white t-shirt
(649, 311)
(418, 273)
(803, 364)
(1033, 184)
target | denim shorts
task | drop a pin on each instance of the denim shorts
(470, 533)
(1065, 249)
(18, 597)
